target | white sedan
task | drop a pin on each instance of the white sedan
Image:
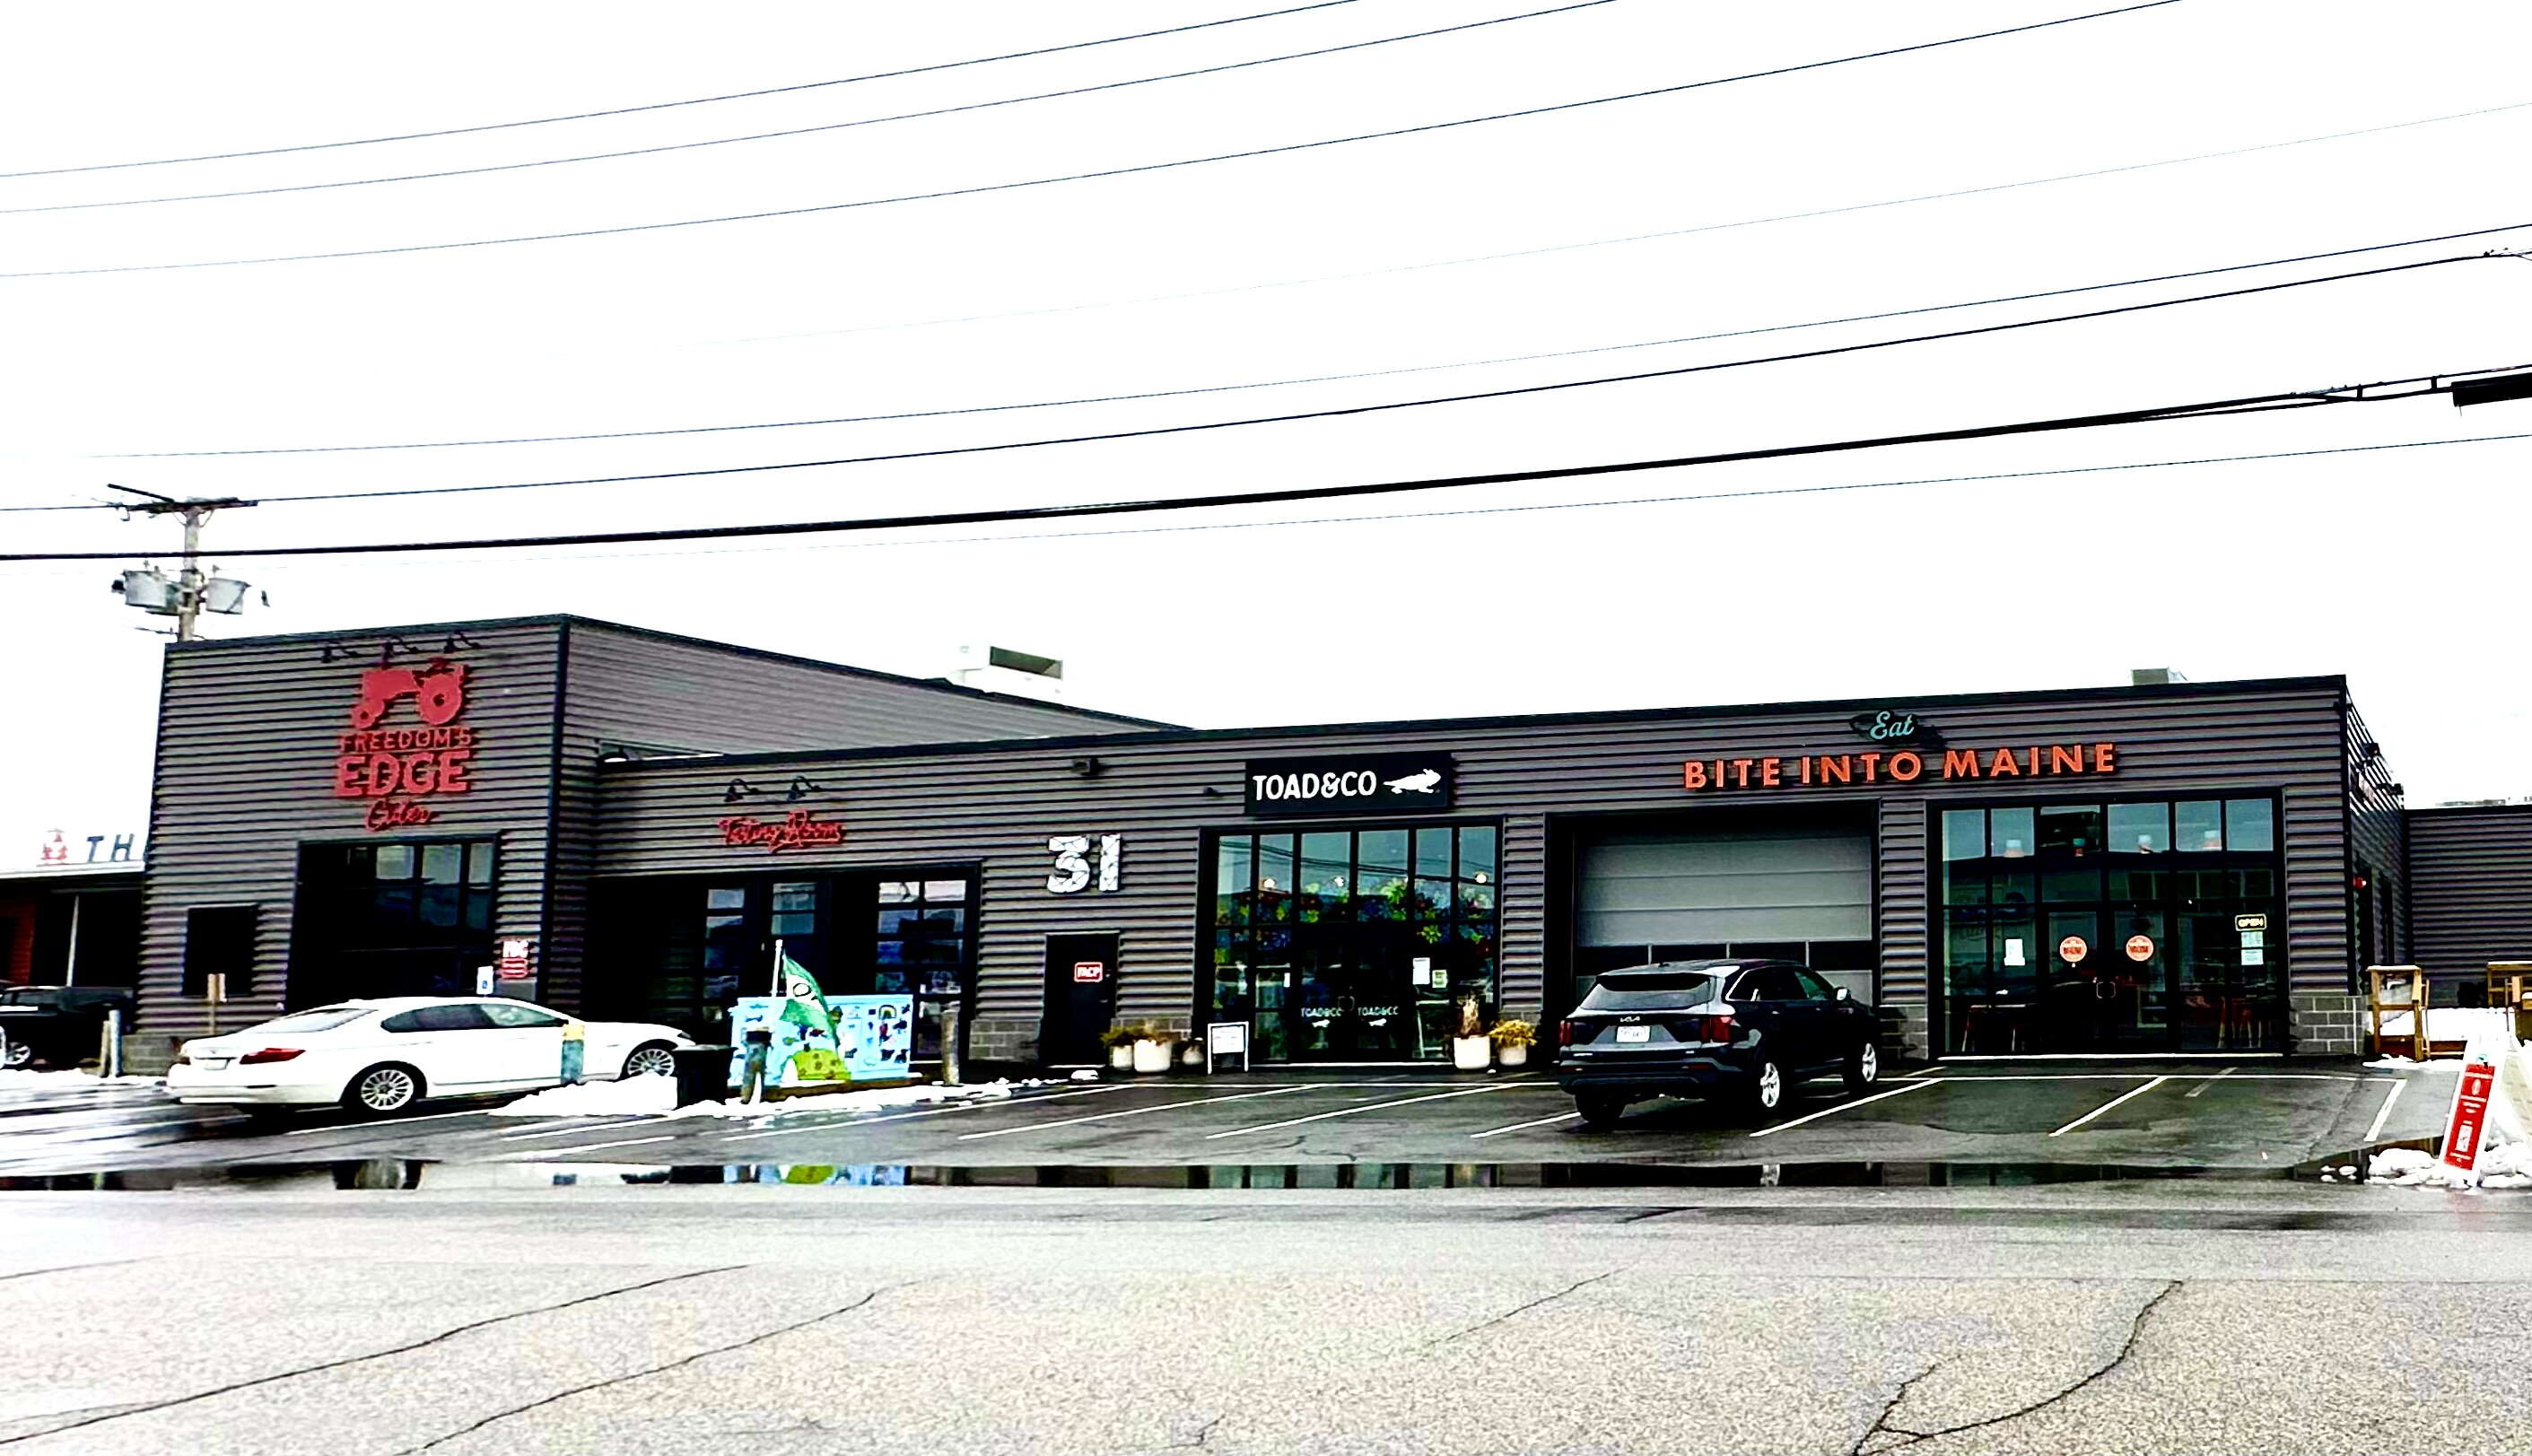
(382, 1056)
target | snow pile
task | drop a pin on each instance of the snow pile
(2402, 1064)
(1086, 1074)
(68, 1081)
(632, 1095)
(656, 1096)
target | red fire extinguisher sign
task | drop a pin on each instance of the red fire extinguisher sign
(2469, 1116)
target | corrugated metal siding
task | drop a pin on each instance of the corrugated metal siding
(2470, 887)
(2376, 838)
(1904, 873)
(247, 739)
(629, 686)
(996, 805)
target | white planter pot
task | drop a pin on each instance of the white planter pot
(1120, 1057)
(1151, 1056)
(1513, 1056)
(1191, 1055)
(1468, 1053)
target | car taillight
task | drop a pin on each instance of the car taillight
(1714, 1028)
(1564, 1034)
(263, 1054)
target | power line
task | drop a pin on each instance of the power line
(1153, 394)
(2408, 388)
(1337, 411)
(1654, 237)
(1086, 176)
(808, 86)
(1758, 492)
(868, 121)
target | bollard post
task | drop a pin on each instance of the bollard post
(109, 1043)
(950, 1042)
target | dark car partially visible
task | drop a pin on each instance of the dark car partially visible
(1742, 1031)
(55, 1025)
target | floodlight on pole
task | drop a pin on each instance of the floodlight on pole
(191, 592)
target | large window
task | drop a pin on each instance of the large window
(401, 917)
(1354, 944)
(2145, 925)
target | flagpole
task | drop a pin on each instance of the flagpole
(778, 967)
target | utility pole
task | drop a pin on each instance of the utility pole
(189, 586)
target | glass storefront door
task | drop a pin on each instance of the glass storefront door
(1354, 944)
(2112, 927)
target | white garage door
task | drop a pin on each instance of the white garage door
(1803, 884)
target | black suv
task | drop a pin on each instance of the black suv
(55, 1023)
(1742, 1030)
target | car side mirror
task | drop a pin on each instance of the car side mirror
(1842, 995)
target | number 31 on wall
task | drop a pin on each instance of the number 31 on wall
(1074, 861)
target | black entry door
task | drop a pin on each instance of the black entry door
(1080, 998)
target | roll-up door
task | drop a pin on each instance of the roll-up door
(1801, 892)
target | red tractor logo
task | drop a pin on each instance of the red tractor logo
(439, 693)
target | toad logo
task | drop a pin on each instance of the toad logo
(396, 768)
(1415, 783)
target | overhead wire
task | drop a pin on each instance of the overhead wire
(1284, 148)
(806, 85)
(1580, 245)
(1343, 411)
(2380, 391)
(1528, 508)
(1468, 364)
(868, 121)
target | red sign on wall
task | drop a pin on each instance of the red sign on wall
(1089, 973)
(396, 768)
(801, 828)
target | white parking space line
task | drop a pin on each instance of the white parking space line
(1040, 1127)
(2201, 1088)
(546, 1154)
(1536, 1122)
(2384, 1114)
(1293, 1122)
(393, 1122)
(2134, 1092)
(835, 1121)
(1843, 1106)
(576, 1125)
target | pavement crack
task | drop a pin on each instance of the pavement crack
(1881, 1423)
(684, 1360)
(1521, 1309)
(2127, 1347)
(309, 1369)
(69, 1268)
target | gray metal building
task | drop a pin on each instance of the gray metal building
(626, 822)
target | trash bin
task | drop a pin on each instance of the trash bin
(703, 1074)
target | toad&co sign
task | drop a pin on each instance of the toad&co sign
(1350, 783)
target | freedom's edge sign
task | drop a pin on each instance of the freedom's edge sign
(1350, 783)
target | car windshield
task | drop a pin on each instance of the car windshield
(1653, 990)
(320, 1018)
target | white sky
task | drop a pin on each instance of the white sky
(2402, 569)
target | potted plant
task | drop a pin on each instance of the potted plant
(1513, 1041)
(1468, 1046)
(1151, 1049)
(1119, 1041)
(1191, 1052)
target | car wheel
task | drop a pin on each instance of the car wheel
(651, 1059)
(15, 1054)
(1863, 1066)
(1767, 1087)
(385, 1088)
(1599, 1109)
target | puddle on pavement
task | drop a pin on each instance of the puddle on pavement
(384, 1174)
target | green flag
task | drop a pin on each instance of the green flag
(804, 1004)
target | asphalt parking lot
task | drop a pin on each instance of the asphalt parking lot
(2172, 1115)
